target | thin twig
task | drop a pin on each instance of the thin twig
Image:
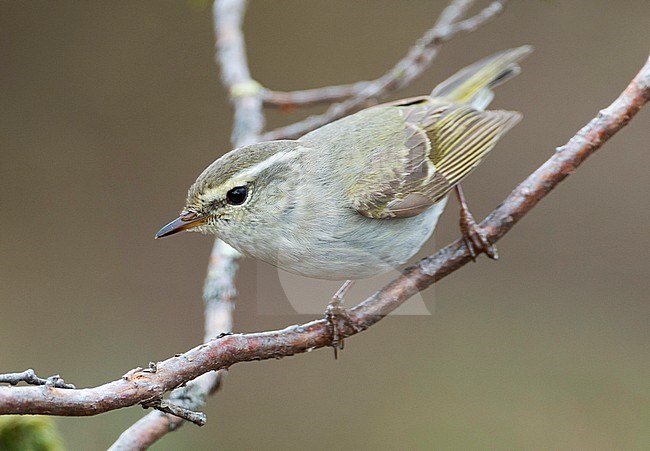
(30, 377)
(310, 97)
(403, 73)
(176, 410)
(140, 385)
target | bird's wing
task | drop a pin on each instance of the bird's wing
(433, 147)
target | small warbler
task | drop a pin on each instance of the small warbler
(361, 195)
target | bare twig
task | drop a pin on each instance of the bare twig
(140, 385)
(30, 377)
(176, 410)
(402, 74)
(309, 97)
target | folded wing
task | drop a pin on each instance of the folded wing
(442, 144)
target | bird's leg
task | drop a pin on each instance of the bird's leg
(335, 312)
(474, 237)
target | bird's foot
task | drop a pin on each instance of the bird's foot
(475, 239)
(336, 314)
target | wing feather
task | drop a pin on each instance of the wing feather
(442, 144)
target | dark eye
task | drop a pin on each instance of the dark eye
(237, 195)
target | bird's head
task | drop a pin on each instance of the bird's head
(231, 189)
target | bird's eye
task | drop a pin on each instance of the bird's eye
(237, 195)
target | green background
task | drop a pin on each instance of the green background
(109, 110)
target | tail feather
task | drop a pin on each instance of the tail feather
(473, 85)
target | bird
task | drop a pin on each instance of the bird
(361, 195)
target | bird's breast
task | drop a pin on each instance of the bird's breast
(341, 244)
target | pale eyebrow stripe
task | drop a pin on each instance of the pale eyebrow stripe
(211, 195)
(279, 157)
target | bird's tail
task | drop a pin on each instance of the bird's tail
(473, 84)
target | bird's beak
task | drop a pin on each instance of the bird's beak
(183, 222)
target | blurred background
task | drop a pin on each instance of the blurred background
(108, 112)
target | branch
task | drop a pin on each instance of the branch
(231, 57)
(139, 386)
(417, 60)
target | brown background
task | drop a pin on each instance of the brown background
(109, 110)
